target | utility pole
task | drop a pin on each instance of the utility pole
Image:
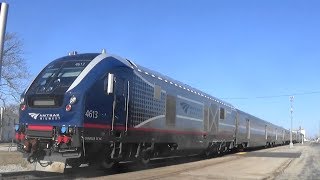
(291, 111)
(302, 136)
(1, 122)
(3, 22)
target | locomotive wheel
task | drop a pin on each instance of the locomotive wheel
(145, 158)
(108, 164)
(207, 153)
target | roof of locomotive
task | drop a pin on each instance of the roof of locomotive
(154, 74)
(178, 84)
(85, 56)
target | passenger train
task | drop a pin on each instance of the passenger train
(100, 108)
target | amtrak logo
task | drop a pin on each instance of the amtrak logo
(45, 116)
(34, 115)
(185, 107)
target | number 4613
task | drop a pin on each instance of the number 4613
(91, 114)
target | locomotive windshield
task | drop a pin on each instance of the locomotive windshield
(58, 74)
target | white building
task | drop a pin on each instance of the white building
(7, 132)
(303, 131)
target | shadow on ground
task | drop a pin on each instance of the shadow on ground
(272, 154)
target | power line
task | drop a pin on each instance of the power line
(273, 96)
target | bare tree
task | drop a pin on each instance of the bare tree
(14, 70)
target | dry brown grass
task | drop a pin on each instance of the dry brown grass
(12, 158)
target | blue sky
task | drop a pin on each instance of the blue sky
(229, 49)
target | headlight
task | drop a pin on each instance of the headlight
(22, 100)
(70, 130)
(63, 129)
(72, 100)
(16, 127)
(23, 107)
(68, 107)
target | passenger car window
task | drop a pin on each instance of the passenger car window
(222, 113)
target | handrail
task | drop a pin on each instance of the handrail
(128, 97)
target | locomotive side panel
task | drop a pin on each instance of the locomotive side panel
(178, 118)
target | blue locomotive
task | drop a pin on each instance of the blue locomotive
(100, 108)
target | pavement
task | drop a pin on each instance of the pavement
(305, 167)
(8, 147)
(272, 163)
